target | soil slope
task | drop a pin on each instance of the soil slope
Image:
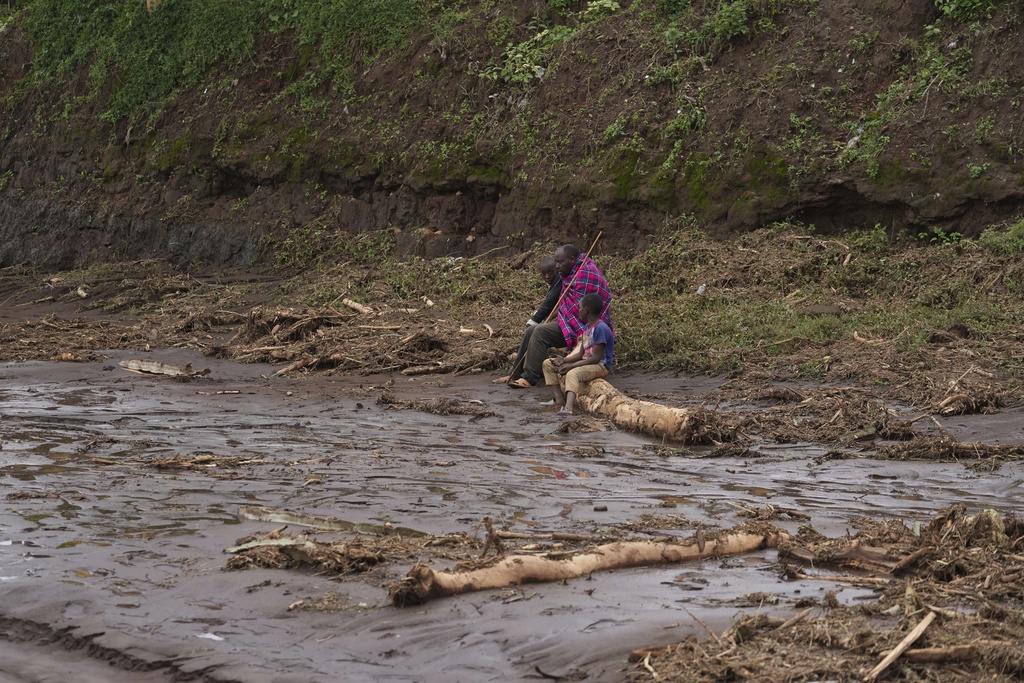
(211, 132)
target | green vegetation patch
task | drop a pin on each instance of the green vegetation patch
(137, 58)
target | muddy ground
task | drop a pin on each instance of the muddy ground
(120, 493)
(106, 555)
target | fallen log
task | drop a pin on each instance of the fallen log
(663, 422)
(423, 583)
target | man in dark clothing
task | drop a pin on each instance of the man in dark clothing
(580, 276)
(550, 275)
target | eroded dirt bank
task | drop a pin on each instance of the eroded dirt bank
(107, 553)
(474, 126)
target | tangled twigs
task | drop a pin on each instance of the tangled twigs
(442, 405)
(946, 447)
(956, 579)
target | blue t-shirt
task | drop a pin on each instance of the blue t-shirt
(599, 334)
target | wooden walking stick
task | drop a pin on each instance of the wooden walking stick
(554, 311)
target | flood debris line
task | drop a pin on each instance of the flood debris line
(325, 338)
(947, 609)
(947, 447)
(54, 338)
(768, 512)
(278, 550)
(843, 416)
(439, 406)
(153, 367)
(263, 514)
(203, 461)
(956, 371)
(284, 552)
(684, 425)
(847, 644)
(423, 583)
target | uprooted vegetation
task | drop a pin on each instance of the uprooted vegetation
(957, 579)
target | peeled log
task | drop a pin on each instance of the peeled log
(663, 422)
(423, 583)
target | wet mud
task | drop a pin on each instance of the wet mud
(108, 563)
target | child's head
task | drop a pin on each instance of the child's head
(547, 269)
(591, 306)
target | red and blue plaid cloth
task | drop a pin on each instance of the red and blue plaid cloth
(588, 281)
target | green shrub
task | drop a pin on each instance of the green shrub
(525, 61)
(965, 10)
(1006, 242)
(730, 21)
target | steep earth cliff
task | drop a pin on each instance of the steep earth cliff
(216, 131)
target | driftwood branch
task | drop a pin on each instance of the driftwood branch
(423, 583)
(904, 645)
(794, 620)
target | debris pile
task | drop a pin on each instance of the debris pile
(948, 609)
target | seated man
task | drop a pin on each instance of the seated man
(550, 276)
(580, 276)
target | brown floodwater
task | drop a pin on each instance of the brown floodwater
(127, 559)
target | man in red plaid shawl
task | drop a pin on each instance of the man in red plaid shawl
(580, 276)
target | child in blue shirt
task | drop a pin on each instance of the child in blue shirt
(591, 359)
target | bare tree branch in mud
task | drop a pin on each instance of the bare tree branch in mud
(423, 583)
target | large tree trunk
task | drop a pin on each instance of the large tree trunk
(423, 583)
(602, 399)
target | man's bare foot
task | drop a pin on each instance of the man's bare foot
(501, 380)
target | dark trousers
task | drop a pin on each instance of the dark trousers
(543, 337)
(517, 365)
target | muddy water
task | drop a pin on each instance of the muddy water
(128, 558)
